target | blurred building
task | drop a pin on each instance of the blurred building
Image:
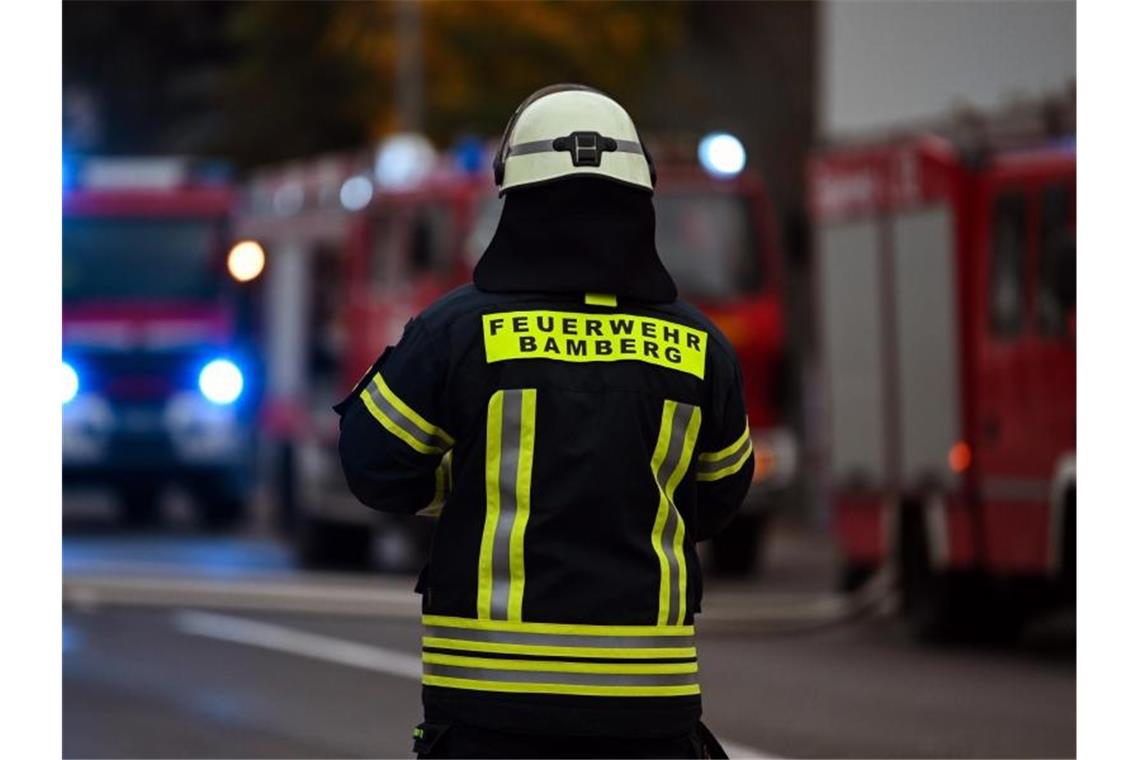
(887, 65)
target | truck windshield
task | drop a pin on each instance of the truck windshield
(709, 244)
(116, 259)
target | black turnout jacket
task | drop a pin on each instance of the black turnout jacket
(572, 448)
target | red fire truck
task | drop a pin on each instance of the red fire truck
(946, 286)
(352, 260)
(158, 372)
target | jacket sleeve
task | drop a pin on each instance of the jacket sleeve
(725, 461)
(393, 446)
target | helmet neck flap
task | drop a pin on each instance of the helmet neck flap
(579, 234)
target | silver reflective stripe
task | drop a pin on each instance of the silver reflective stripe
(547, 146)
(559, 640)
(681, 416)
(539, 676)
(742, 452)
(527, 148)
(508, 503)
(397, 417)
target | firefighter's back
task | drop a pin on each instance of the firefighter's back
(563, 578)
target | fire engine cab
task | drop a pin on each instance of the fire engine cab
(159, 385)
(355, 253)
(946, 288)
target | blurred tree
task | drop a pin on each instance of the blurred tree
(291, 92)
(138, 77)
(321, 76)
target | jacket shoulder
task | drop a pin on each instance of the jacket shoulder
(454, 306)
(719, 345)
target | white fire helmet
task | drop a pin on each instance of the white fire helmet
(568, 130)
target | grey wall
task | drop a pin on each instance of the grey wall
(887, 64)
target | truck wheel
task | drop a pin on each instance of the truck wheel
(320, 544)
(285, 488)
(738, 550)
(929, 598)
(219, 510)
(138, 505)
(852, 577)
(1069, 549)
(949, 607)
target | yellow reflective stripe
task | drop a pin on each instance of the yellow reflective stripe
(410, 413)
(601, 299)
(509, 461)
(395, 429)
(491, 520)
(655, 463)
(729, 450)
(680, 424)
(442, 488)
(570, 629)
(691, 431)
(393, 415)
(615, 653)
(522, 504)
(724, 472)
(559, 666)
(557, 688)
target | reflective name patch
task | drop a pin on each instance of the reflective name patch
(573, 337)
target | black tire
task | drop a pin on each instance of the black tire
(219, 510)
(1069, 549)
(738, 550)
(852, 577)
(322, 544)
(139, 505)
(949, 607)
(285, 488)
(928, 597)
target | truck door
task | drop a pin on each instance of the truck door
(432, 253)
(1052, 341)
(1005, 367)
(851, 297)
(410, 259)
(1013, 485)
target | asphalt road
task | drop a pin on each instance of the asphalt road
(188, 669)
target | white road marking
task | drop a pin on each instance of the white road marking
(269, 593)
(750, 612)
(289, 640)
(739, 751)
(280, 638)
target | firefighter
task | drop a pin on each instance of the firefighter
(575, 429)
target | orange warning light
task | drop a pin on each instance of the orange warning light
(960, 456)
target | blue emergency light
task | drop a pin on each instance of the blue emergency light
(722, 155)
(70, 383)
(221, 381)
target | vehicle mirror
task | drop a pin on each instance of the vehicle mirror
(1065, 275)
(796, 243)
(421, 253)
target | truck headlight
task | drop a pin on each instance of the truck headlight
(221, 381)
(70, 383)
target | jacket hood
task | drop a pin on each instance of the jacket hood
(576, 235)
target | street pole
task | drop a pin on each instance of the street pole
(409, 69)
